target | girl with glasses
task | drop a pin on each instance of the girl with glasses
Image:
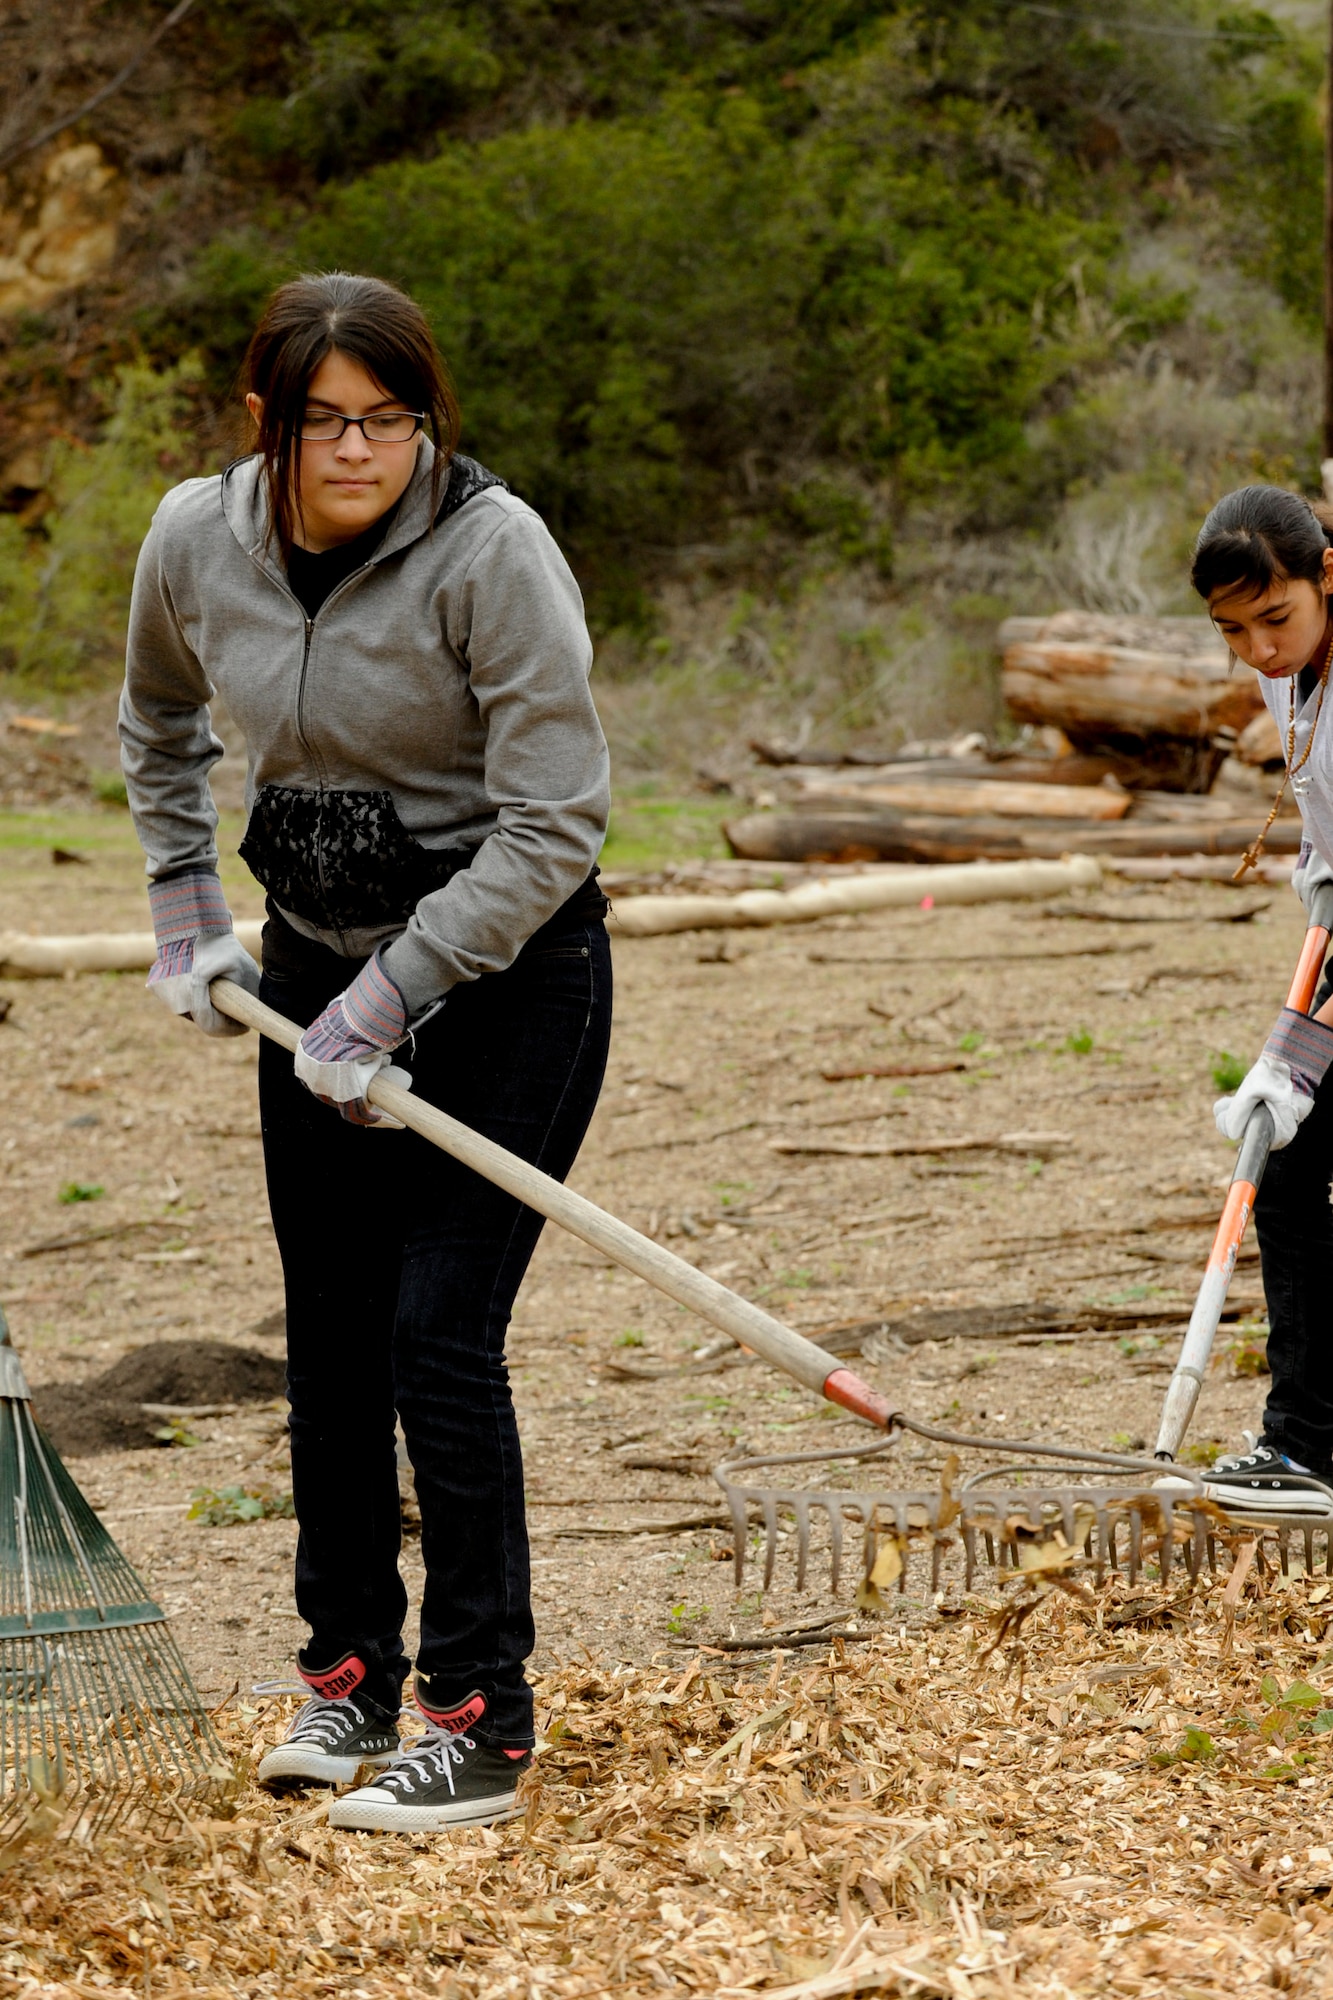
(404, 650)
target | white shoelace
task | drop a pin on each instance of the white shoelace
(325, 1723)
(431, 1756)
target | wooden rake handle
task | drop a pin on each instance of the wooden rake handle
(746, 1323)
(1183, 1389)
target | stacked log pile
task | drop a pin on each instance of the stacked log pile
(1132, 721)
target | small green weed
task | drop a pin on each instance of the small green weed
(228, 1506)
(727, 1191)
(1079, 1044)
(969, 1043)
(1202, 1454)
(175, 1431)
(80, 1191)
(631, 1337)
(1196, 1746)
(109, 789)
(1228, 1072)
(682, 1615)
(1144, 1344)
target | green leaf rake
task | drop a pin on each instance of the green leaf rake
(98, 1714)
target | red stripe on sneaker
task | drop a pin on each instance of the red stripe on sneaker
(332, 1683)
(455, 1720)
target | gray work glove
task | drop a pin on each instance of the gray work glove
(196, 944)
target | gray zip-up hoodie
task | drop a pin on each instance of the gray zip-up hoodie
(431, 726)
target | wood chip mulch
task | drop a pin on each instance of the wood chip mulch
(1135, 1801)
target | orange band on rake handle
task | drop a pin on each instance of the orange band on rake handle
(1311, 964)
(843, 1387)
(1236, 1213)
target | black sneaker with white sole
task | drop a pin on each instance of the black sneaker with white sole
(1265, 1481)
(446, 1778)
(334, 1734)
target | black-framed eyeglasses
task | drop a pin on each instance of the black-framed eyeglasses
(383, 427)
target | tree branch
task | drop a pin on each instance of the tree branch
(122, 77)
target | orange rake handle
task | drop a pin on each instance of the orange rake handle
(1183, 1390)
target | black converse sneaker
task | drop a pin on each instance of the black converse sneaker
(336, 1732)
(446, 1778)
(1264, 1480)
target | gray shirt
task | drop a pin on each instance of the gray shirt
(450, 671)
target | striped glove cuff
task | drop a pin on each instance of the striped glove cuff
(1305, 1046)
(187, 905)
(374, 1008)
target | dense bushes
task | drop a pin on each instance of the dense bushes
(839, 266)
(64, 590)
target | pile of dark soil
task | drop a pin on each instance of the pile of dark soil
(106, 1413)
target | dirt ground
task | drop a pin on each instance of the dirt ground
(1092, 1024)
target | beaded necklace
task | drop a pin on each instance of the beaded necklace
(1291, 772)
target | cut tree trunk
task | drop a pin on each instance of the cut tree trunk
(964, 800)
(1162, 696)
(889, 837)
(1096, 693)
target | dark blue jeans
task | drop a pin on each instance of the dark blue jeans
(1294, 1224)
(401, 1269)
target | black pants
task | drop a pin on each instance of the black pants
(401, 1269)
(1294, 1224)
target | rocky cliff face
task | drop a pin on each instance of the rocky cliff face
(64, 233)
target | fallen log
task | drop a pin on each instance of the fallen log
(942, 1068)
(963, 800)
(1161, 696)
(652, 916)
(28, 957)
(1199, 868)
(1099, 692)
(884, 836)
(1032, 1145)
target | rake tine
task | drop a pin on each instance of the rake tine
(1212, 1555)
(989, 1540)
(1283, 1553)
(936, 1562)
(1307, 1536)
(869, 1536)
(970, 1551)
(834, 1510)
(1168, 1537)
(904, 1540)
(740, 1529)
(1199, 1546)
(770, 1500)
(1135, 1543)
(801, 1507)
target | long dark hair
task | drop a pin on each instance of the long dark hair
(1259, 536)
(370, 322)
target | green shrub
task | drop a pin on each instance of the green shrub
(65, 587)
(635, 308)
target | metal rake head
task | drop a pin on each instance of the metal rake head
(97, 1710)
(1108, 1509)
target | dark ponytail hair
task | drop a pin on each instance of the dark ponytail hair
(371, 323)
(1259, 536)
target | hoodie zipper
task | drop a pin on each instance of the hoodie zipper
(302, 738)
